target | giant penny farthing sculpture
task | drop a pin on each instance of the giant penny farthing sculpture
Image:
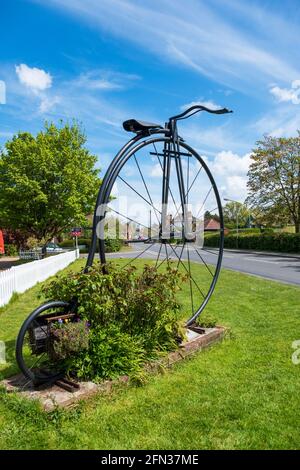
(163, 192)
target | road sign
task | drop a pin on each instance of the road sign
(76, 231)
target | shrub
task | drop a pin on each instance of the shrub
(142, 305)
(206, 321)
(111, 353)
(112, 245)
(281, 242)
(11, 250)
(84, 241)
(67, 339)
(67, 244)
(247, 230)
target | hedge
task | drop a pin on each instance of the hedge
(282, 242)
(111, 245)
(11, 250)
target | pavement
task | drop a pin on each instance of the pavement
(7, 262)
(281, 267)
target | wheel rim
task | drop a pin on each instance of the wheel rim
(121, 180)
(32, 354)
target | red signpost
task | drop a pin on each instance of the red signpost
(2, 251)
(76, 232)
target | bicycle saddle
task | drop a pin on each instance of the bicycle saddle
(133, 125)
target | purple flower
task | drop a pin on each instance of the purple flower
(87, 324)
(60, 321)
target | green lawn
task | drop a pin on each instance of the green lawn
(242, 393)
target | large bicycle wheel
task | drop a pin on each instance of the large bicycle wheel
(158, 184)
(33, 353)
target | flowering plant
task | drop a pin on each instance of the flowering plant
(67, 339)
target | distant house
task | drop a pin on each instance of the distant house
(211, 225)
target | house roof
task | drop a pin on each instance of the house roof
(211, 224)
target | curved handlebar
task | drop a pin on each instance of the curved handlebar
(196, 108)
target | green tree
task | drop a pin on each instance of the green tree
(236, 212)
(274, 180)
(48, 182)
(208, 215)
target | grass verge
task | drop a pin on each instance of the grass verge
(241, 394)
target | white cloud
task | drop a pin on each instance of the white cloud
(227, 162)
(287, 94)
(47, 103)
(230, 172)
(228, 53)
(207, 103)
(105, 80)
(35, 79)
(156, 171)
(283, 121)
(235, 187)
(37, 82)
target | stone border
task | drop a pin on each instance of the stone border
(54, 396)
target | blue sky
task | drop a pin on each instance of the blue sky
(102, 62)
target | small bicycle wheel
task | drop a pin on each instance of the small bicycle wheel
(160, 180)
(33, 343)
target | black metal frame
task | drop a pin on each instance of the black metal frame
(172, 145)
(128, 149)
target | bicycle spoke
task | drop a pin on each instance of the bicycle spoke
(191, 286)
(162, 262)
(187, 193)
(171, 194)
(203, 262)
(128, 218)
(188, 273)
(199, 171)
(146, 187)
(180, 254)
(39, 326)
(209, 191)
(37, 361)
(140, 195)
(140, 254)
(158, 255)
(212, 210)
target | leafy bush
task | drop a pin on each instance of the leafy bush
(112, 245)
(11, 250)
(282, 242)
(67, 339)
(84, 241)
(247, 230)
(141, 305)
(67, 244)
(206, 321)
(111, 353)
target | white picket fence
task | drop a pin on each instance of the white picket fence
(21, 278)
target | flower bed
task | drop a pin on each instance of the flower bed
(133, 316)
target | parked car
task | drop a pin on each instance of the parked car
(53, 247)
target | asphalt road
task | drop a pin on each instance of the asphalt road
(284, 268)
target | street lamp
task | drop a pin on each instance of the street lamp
(237, 218)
